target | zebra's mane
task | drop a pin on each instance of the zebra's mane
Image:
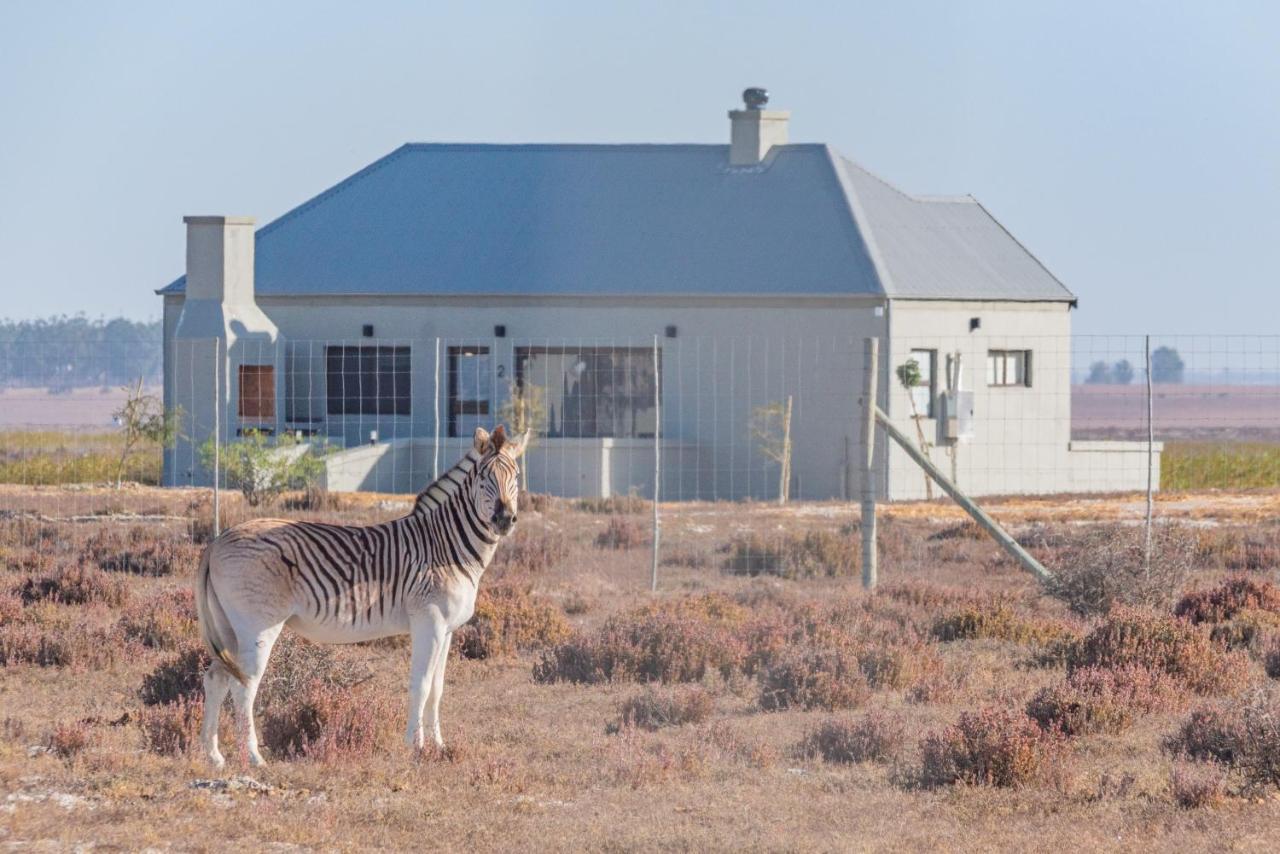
(447, 485)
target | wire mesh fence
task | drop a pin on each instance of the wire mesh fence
(727, 429)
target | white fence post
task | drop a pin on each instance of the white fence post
(1151, 441)
(217, 435)
(657, 459)
(870, 374)
(435, 419)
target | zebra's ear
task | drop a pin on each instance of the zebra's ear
(481, 441)
(514, 448)
(499, 438)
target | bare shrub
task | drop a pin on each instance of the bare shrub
(1228, 600)
(1129, 637)
(997, 620)
(1194, 785)
(11, 607)
(65, 643)
(1271, 659)
(1246, 736)
(613, 505)
(67, 740)
(536, 502)
(529, 552)
(1211, 732)
(814, 679)
(813, 554)
(316, 498)
(685, 556)
(508, 619)
(141, 551)
(1099, 699)
(179, 678)
(171, 729)
(165, 620)
(991, 747)
(297, 665)
(873, 737)
(326, 722)
(622, 533)
(653, 708)
(674, 641)
(1106, 567)
(75, 585)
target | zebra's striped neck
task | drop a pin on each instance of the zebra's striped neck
(445, 507)
(448, 485)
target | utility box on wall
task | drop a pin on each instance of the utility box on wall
(956, 424)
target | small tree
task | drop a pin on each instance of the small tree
(1099, 374)
(262, 469)
(770, 427)
(524, 409)
(910, 377)
(143, 420)
(1166, 365)
(1122, 372)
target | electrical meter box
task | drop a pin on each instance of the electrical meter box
(957, 416)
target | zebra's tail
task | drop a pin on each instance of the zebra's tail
(213, 620)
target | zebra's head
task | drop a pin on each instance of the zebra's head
(498, 484)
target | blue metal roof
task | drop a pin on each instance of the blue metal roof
(544, 220)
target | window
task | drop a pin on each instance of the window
(257, 391)
(593, 392)
(1008, 367)
(367, 380)
(470, 388)
(924, 391)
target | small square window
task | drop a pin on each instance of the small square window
(257, 391)
(1008, 368)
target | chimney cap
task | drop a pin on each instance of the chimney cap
(218, 220)
(755, 97)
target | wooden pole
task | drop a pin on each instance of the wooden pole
(870, 374)
(1001, 536)
(784, 476)
(217, 434)
(657, 459)
(1151, 441)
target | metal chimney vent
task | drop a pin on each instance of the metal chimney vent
(756, 98)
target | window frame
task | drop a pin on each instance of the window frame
(931, 384)
(454, 406)
(522, 355)
(340, 402)
(1000, 378)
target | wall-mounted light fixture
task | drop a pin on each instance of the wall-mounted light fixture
(671, 331)
(367, 330)
(500, 331)
(975, 323)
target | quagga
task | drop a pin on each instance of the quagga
(345, 583)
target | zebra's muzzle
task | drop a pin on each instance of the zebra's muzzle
(503, 520)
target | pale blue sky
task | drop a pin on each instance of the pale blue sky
(1133, 146)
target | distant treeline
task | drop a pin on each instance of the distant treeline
(71, 352)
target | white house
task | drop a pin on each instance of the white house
(398, 309)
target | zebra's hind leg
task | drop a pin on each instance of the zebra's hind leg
(217, 681)
(428, 631)
(254, 650)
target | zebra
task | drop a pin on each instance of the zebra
(415, 575)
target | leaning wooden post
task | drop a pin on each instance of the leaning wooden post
(870, 372)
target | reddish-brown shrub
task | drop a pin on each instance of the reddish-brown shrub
(1245, 735)
(814, 679)
(326, 722)
(622, 533)
(141, 551)
(996, 620)
(813, 554)
(1159, 642)
(656, 707)
(68, 739)
(1229, 599)
(613, 505)
(1211, 732)
(873, 737)
(1101, 699)
(65, 643)
(1194, 785)
(177, 679)
(507, 619)
(11, 607)
(1271, 658)
(527, 552)
(165, 620)
(991, 747)
(172, 729)
(75, 585)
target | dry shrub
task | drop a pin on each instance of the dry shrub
(1129, 637)
(508, 619)
(1271, 659)
(617, 505)
(674, 641)
(1100, 699)
(165, 620)
(1249, 630)
(731, 744)
(936, 687)
(179, 678)
(991, 747)
(141, 551)
(297, 665)
(966, 530)
(643, 761)
(995, 620)
(316, 498)
(1228, 600)
(622, 533)
(535, 502)
(1194, 785)
(814, 554)
(327, 722)
(75, 585)
(529, 551)
(873, 737)
(928, 597)
(686, 556)
(172, 729)
(1106, 567)
(69, 739)
(11, 607)
(1246, 736)
(656, 707)
(65, 643)
(814, 679)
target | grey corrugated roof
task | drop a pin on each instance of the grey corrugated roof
(634, 220)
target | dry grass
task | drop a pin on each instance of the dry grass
(747, 710)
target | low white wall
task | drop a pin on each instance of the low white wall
(1112, 466)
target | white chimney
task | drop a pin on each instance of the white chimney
(219, 299)
(754, 130)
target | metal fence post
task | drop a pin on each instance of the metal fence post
(435, 419)
(657, 459)
(217, 435)
(1151, 441)
(870, 374)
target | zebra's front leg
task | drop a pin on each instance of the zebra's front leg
(437, 691)
(428, 633)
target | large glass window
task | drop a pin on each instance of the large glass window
(367, 380)
(593, 392)
(470, 389)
